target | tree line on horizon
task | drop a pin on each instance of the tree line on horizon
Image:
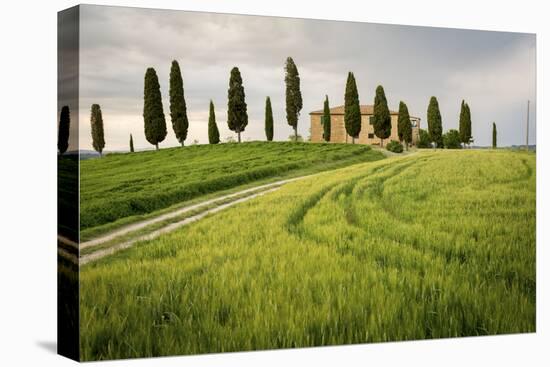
(237, 116)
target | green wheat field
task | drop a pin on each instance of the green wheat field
(433, 244)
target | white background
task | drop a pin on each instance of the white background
(28, 182)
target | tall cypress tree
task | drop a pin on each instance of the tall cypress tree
(404, 128)
(96, 120)
(131, 144)
(468, 124)
(293, 95)
(178, 108)
(237, 116)
(63, 134)
(381, 116)
(268, 120)
(494, 135)
(352, 110)
(435, 129)
(326, 120)
(153, 114)
(462, 124)
(213, 132)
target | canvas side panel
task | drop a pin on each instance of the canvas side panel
(67, 183)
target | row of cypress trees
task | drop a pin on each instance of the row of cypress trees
(155, 121)
(237, 114)
(435, 129)
(155, 126)
(154, 130)
(381, 119)
(403, 126)
(463, 135)
(237, 119)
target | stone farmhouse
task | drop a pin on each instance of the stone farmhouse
(366, 136)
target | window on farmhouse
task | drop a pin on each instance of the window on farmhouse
(371, 136)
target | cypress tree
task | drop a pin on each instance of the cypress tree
(404, 128)
(63, 133)
(381, 116)
(237, 116)
(468, 124)
(326, 120)
(153, 114)
(96, 120)
(352, 111)
(178, 108)
(494, 135)
(293, 95)
(435, 129)
(268, 120)
(462, 124)
(213, 132)
(131, 144)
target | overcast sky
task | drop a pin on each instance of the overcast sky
(493, 71)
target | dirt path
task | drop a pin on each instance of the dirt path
(67, 248)
(139, 225)
(173, 226)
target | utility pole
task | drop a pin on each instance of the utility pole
(527, 133)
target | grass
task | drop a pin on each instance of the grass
(123, 188)
(438, 244)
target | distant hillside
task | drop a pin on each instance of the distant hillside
(84, 154)
(513, 147)
(87, 154)
(531, 147)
